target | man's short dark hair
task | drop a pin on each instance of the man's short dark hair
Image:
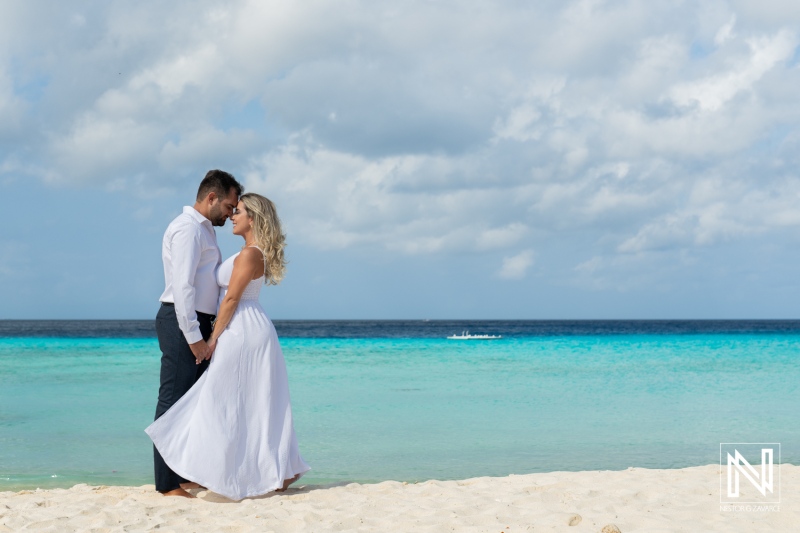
(219, 182)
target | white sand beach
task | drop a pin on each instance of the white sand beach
(633, 500)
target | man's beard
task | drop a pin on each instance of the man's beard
(217, 218)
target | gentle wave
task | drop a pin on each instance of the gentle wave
(368, 409)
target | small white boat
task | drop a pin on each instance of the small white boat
(465, 336)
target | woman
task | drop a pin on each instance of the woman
(233, 431)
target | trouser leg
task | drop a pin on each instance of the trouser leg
(178, 373)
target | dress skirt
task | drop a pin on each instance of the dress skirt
(233, 431)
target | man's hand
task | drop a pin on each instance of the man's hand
(201, 351)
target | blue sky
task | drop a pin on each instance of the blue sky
(471, 159)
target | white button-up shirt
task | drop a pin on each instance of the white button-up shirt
(191, 257)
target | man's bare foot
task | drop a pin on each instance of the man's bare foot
(178, 492)
(288, 482)
(192, 485)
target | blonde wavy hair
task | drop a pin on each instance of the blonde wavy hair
(268, 235)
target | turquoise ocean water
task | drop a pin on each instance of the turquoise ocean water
(414, 405)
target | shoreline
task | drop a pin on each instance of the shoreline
(636, 499)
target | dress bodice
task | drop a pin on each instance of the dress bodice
(224, 272)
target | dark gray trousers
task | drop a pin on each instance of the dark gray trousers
(178, 373)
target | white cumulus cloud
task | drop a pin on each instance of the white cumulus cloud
(426, 128)
(516, 266)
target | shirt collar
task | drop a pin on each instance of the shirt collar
(195, 214)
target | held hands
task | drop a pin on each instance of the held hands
(201, 351)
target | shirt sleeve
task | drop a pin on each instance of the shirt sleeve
(186, 248)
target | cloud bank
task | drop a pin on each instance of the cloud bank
(646, 129)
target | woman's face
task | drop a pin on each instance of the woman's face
(240, 220)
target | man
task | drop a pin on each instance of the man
(189, 302)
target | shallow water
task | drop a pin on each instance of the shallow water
(413, 405)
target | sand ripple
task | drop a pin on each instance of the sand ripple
(634, 500)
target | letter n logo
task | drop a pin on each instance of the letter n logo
(736, 459)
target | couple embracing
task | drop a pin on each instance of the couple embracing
(224, 419)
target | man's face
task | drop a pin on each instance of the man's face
(222, 208)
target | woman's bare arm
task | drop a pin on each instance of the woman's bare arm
(247, 266)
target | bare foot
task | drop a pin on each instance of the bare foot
(192, 485)
(288, 482)
(178, 492)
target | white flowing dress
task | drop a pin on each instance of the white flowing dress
(232, 432)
